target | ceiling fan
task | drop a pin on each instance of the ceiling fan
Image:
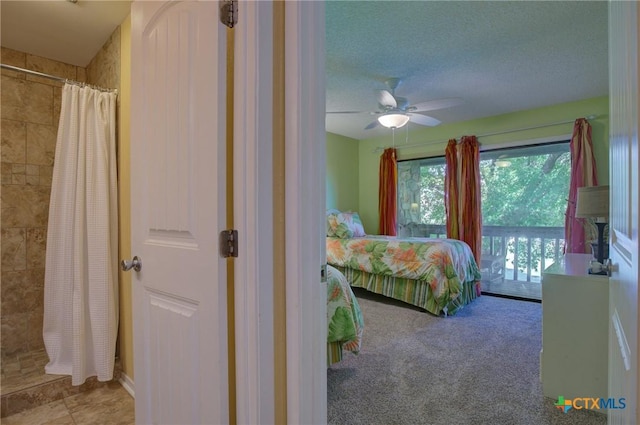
(395, 112)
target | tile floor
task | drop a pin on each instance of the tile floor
(25, 370)
(106, 405)
(24, 385)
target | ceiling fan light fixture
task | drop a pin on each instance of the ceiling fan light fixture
(393, 119)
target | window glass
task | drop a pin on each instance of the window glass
(421, 191)
(525, 186)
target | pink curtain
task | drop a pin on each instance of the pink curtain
(470, 211)
(387, 199)
(583, 173)
(462, 195)
(451, 194)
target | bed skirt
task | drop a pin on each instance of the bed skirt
(411, 291)
(334, 352)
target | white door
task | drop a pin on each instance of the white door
(624, 217)
(178, 209)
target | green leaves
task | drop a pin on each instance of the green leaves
(341, 327)
(380, 267)
(531, 191)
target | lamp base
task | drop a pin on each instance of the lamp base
(600, 273)
(596, 253)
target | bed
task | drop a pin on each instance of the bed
(344, 317)
(437, 275)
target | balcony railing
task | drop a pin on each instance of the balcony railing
(524, 251)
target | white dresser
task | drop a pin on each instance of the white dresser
(575, 311)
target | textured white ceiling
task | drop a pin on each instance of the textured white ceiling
(60, 30)
(498, 56)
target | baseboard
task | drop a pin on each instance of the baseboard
(127, 384)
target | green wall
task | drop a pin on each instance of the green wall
(433, 141)
(342, 172)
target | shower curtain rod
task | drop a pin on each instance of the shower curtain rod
(591, 117)
(53, 77)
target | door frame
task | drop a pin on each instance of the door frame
(253, 213)
(256, 97)
(624, 302)
(305, 175)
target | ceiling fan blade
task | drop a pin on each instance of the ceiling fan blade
(423, 120)
(348, 112)
(374, 124)
(431, 105)
(386, 99)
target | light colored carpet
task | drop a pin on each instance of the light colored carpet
(480, 366)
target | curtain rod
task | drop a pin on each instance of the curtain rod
(55, 78)
(591, 117)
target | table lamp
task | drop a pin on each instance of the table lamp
(593, 202)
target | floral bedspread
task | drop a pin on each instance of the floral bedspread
(444, 263)
(344, 317)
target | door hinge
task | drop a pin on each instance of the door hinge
(229, 243)
(229, 12)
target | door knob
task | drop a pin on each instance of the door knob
(135, 264)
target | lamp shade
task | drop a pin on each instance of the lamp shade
(592, 202)
(393, 119)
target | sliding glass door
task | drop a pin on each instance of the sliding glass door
(524, 198)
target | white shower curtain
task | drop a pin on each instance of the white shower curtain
(81, 273)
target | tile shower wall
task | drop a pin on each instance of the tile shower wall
(30, 110)
(104, 68)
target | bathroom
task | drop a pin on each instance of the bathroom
(30, 113)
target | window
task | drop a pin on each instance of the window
(524, 197)
(421, 191)
(525, 186)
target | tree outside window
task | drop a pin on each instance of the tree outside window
(524, 187)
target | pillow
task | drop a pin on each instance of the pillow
(356, 224)
(344, 225)
(337, 227)
(331, 231)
